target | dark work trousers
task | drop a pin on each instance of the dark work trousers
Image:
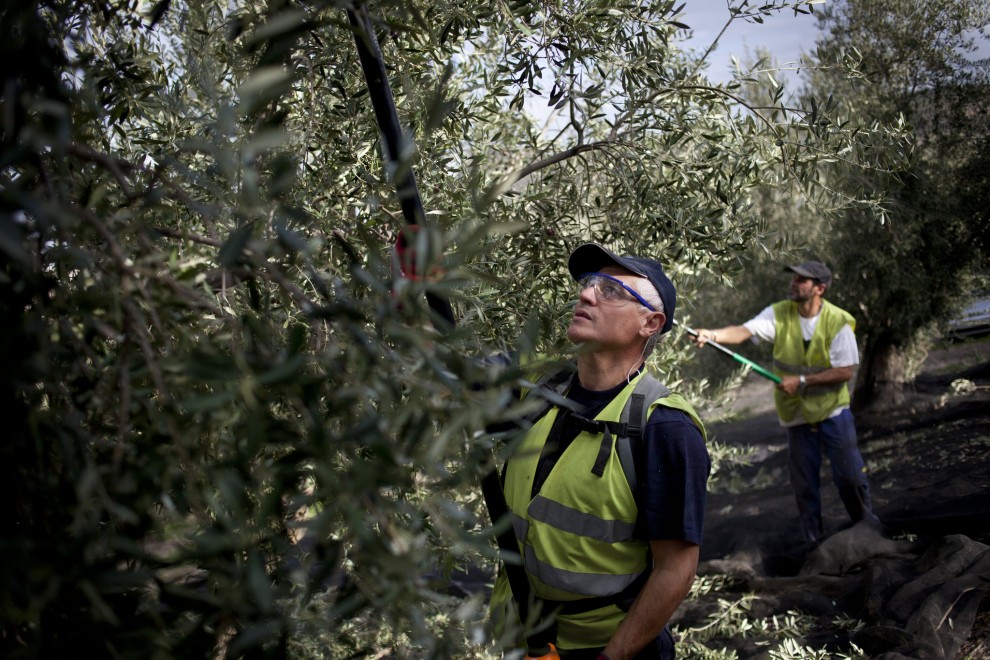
(837, 435)
(662, 648)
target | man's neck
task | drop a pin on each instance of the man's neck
(810, 308)
(599, 371)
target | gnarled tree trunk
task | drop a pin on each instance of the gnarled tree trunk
(880, 384)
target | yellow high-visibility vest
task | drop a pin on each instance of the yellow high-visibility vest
(790, 358)
(576, 535)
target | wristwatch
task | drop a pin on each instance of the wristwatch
(802, 381)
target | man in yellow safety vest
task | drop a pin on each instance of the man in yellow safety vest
(814, 353)
(609, 531)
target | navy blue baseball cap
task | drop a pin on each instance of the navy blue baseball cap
(591, 258)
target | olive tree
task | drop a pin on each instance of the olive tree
(236, 429)
(905, 277)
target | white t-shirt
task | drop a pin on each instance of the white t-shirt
(842, 353)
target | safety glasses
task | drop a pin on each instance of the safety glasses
(610, 289)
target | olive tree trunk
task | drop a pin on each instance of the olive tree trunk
(880, 384)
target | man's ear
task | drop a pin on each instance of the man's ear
(652, 323)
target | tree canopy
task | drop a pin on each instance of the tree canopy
(235, 429)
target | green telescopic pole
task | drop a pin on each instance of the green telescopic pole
(739, 358)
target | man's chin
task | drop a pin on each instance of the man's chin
(580, 342)
(575, 336)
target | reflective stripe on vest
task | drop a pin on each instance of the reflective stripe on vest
(587, 584)
(571, 520)
(791, 358)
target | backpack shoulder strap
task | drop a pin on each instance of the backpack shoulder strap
(633, 419)
(551, 390)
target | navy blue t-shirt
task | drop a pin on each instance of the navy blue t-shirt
(672, 467)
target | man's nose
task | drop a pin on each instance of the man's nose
(588, 294)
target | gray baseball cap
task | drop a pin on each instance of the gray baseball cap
(814, 270)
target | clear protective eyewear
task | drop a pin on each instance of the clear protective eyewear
(610, 289)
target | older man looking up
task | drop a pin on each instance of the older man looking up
(609, 528)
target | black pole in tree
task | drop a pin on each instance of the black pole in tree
(412, 210)
(388, 123)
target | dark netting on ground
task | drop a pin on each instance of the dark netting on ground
(913, 601)
(917, 587)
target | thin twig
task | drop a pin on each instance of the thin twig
(189, 236)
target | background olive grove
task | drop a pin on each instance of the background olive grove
(925, 66)
(232, 429)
